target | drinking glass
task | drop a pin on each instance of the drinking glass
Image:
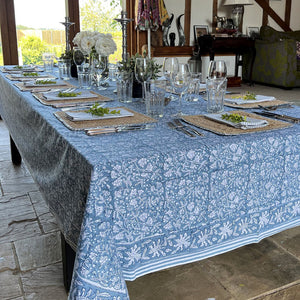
(142, 71)
(100, 65)
(216, 86)
(217, 69)
(170, 65)
(180, 82)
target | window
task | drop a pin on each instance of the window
(99, 15)
(39, 29)
(1, 52)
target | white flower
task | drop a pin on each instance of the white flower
(102, 43)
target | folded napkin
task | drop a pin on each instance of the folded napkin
(54, 95)
(259, 98)
(34, 84)
(250, 123)
(83, 115)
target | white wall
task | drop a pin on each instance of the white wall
(201, 14)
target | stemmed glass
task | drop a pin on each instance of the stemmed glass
(142, 71)
(78, 56)
(217, 69)
(170, 66)
(100, 67)
(180, 82)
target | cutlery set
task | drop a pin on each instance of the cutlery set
(115, 129)
(188, 130)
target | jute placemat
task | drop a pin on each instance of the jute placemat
(45, 88)
(256, 105)
(219, 128)
(64, 102)
(137, 118)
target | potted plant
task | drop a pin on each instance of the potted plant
(128, 66)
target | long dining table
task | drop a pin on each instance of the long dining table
(132, 203)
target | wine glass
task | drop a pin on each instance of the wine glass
(78, 56)
(170, 65)
(217, 69)
(100, 68)
(180, 82)
(142, 71)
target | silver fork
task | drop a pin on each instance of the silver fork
(180, 124)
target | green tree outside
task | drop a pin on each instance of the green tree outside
(99, 15)
(32, 49)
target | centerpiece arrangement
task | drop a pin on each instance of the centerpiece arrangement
(96, 48)
(129, 67)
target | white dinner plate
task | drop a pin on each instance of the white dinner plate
(85, 116)
(259, 98)
(53, 96)
(250, 123)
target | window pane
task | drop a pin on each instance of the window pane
(99, 15)
(39, 29)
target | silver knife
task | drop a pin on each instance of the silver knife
(115, 129)
(179, 123)
(173, 126)
(278, 116)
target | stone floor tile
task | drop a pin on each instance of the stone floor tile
(38, 251)
(7, 260)
(44, 283)
(289, 240)
(186, 282)
(9, 171)
(254, 269)
(9, 285)
(17, 219)
(20, 185)
(291, 292)
(48, 223)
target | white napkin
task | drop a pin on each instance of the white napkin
(54, 95)
(251, 123)
(259, 98)
(85, 116)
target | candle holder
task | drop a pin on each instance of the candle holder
(67, 24)
(124, 22)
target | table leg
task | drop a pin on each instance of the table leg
(68, 258)
(14, 152)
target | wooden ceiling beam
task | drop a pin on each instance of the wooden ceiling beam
(266, 7)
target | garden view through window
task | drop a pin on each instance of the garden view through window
(1, 52)
(40, 30)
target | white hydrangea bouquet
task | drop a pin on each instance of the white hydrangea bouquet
(91, 43)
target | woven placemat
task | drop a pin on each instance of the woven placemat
(23, 88)
(137, 118)
(256, 105)
(65, 102)
(222, 129)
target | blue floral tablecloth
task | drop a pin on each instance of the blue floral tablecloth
(137, 202)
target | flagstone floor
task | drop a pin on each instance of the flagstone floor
(31, 268)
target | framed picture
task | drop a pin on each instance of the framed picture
(200, 30)
(253, 31)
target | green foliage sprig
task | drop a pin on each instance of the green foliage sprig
(234, 118)
(101, 111)
(46, 81)
(128, 66)
(30, 74)
(64, 94)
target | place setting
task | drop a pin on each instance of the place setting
(19, 69)
(251, 100)
(99, 119)
(68, 97)
(43, 85)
